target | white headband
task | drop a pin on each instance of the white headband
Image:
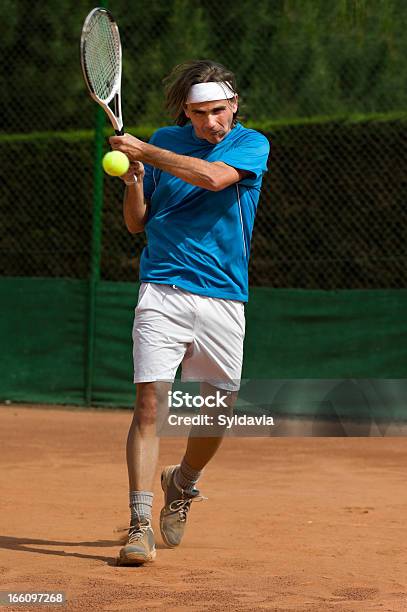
(207, 92)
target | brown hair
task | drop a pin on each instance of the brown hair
(182, 77)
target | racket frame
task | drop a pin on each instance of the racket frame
(115, 115)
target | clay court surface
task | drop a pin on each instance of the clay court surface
(290, 523)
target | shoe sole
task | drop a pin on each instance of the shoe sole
(164, 478)
(135, 558)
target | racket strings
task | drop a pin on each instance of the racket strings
(102, 55)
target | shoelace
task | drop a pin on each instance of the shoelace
(136, 532)
(182, 506)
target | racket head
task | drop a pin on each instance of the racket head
(101, 60)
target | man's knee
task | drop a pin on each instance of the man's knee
(150, 403)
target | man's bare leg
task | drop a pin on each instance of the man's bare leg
(204, 441)
(142, 456)
(178, 483)
(142, 441)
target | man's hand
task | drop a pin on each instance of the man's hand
(129, 145)
(135, 171)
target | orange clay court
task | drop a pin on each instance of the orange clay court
(307, 524)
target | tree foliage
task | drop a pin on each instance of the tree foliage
(293, 58)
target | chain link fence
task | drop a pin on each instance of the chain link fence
(324, 81)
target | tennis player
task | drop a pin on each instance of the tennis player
(197, 190)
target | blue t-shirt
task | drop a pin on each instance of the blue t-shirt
(199, 240)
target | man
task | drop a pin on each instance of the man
(194, 188)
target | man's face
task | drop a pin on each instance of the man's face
(212, 121)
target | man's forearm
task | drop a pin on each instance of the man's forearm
(192, 170)
(134, 207)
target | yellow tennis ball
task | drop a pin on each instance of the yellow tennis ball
(115, 163)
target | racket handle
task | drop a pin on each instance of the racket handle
(119, 132)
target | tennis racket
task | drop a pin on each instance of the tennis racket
(101, 59)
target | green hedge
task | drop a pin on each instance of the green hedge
(332, 211)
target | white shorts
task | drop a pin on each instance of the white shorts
(173, 326)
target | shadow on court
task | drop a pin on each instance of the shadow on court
(28, 545)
